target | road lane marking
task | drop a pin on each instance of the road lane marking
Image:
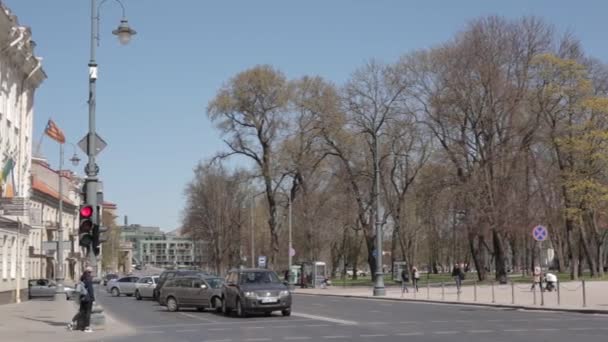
(151, 332)
(410, 334)
(373, 335)
(187, 330)
(480, 331)
(216, 323)
(335, 337)
(317, 325)
(323, 318)
(515, 330)
(445, 332)
(196, 317)
(546, 329)
(253, 327)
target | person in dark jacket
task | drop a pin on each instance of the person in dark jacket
(86, 302)
(458, 275)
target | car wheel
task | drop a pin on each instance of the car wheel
(129, 295)
(268, 313)
(239, 308)
(138, 295)
(172, 304)
(225, 308)
(200, 309)
(115, 292)
(286, 312)
(217, 305)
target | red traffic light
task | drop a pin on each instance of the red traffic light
(86, 211)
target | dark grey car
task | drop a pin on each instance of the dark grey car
(255, 290)
(189, 291)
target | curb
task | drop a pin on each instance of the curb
(493, 305)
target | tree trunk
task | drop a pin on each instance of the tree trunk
(478, 258)
(587, 250)
(573, 260)
(499, 256)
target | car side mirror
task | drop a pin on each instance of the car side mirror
(203, 286)
(150, 282)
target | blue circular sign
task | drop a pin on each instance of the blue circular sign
(540, 233)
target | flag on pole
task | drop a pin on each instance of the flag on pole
(54, 132)
(6, 189)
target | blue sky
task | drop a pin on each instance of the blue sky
(152, 94)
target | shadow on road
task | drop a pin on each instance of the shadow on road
(51, 323)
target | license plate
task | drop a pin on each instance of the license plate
(269, 300)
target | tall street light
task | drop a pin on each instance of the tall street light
(124, 33)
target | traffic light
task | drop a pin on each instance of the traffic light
(85, 229)
(98, 234)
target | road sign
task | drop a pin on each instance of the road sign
(99, 144)
(292, 252)
(540, 233)
(262, 261)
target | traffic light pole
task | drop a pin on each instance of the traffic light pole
(91, 168)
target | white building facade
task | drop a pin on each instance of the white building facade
(21, 74)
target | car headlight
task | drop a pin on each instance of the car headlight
(250, 294)
(284, 293)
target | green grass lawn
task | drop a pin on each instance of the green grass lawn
(436, 279)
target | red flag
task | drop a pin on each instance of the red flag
(54, 132)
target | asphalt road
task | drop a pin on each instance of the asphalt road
(317, 318)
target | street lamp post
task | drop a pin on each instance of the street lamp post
(124, 33)
(60, 274)
(379, 289)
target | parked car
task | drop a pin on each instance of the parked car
(124, 285)
(186, 291)
(45, 288)
(144, 288)
(359, 273)
(255, 290)
(37, 288)
(170, 274)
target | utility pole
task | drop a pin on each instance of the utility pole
(252, 233)
(290, 237)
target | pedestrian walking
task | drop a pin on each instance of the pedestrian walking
(536, 278)
(458, 275)
(416, 278)
(405, 278)
(83, 317)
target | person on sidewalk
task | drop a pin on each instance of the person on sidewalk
(416, 278)
(405, 278)
(458, 275)
(86, 302)
(536, 278)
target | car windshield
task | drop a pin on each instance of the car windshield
(215, 283)
(259, 277)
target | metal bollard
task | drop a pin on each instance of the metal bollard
(512, 293)
(475, 290)
(493, 297)
(534, 294)
(558, 294)
(584, 295)
(442, 291)
(428, 290)
(458, 295)
(542, 294)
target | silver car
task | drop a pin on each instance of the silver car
(144, 288)
(124, 285)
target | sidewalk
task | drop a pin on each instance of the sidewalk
(43, 320)
(571, 297)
